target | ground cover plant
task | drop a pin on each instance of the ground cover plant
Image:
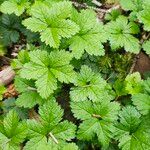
(71, 76)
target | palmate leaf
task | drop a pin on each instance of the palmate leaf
(90, 85)
(51, 22)
(47, 68)
(12, 132)
(14, 6)
(49, 132)
(132, 131)
(120, 35)
(90, 36)
(97, 120)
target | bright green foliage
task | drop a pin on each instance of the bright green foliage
(146, 47)
(51, 22)
(97, 120)
(144, 17)
(12, 132)
(90, 85)
(49, 132)
(132, 133)
(146, 86)
(90, 36)
(113, 15)
(29, 96)
(134, 5)
(142, 101)
(47, 68)
(2, 91)
(14, 6)
(120, 35)
(133, 83)
(22, 58)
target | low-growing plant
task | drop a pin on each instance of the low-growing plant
(71, 52)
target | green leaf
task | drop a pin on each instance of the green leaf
(142, 101)
(119, 87)
(29, 99)
(52, 22)
(144, 17)
(90, 85)
(121, 35)
(131, 132)
(9, 27)
(9, 104)
(97, 119)
(12, 131)
(49, 129)
(146, 86)
(70, 146)
(23, 57)
(113, 15)
(14, 6)
(90, 36)
(133, 83)
(134, 5)
(39, 143)
(23, 85)
(146, 47)
(46, 69)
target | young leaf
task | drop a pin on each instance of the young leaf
(49, 129)
(12, 132)
(23, 57)
(133, 83)
(146, 47)
(142, 101)
(113, 15)
(14, 6)
(90, 85)
(47, 68)
(97, 120)
(131, 132)
(120, 35)
(90, 36)
(51, 22)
